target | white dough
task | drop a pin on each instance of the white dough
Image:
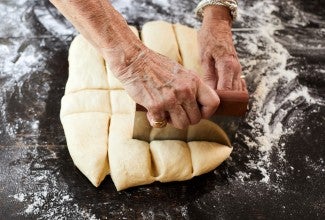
(172, 160)
(86, 135)
(188, 47)
(159, 36)
(206, 156)
(85, 111)
(130, 159)
(92, 75)
(98, 117)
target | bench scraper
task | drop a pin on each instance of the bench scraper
(232, 103)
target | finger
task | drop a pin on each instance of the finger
(193, 112)
(208, 99)
(178, 117)
(155, 117)
(225, 72)
(236, 83)
(244, 86)
(210, 76)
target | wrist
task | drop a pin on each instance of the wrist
(217, 13)
(122, 54)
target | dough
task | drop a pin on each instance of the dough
(85, 111)
(159, 36)
(86, 135)
(135, 162)
(172, 160)
(98, 122)
(90, 76)
(188, 47)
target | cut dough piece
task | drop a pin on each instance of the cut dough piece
(206, 130)
(160, 37)
(130, 159)
(113, 82)
(86, 67)
(87, 140)
(207, 155)
(172, 160)
(85, 101)
(188, 47)
(134, 162)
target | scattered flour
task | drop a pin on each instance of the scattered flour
(17, 71)
(267, 71)
(20, 197)
(51, 200)
(267, 104)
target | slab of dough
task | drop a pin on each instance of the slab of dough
(98, 122)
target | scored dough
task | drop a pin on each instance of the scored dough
(135, 162)
(90, 76)
(159, 36)
(85, 111)
(169, 169)
(86, 135)
(98, 118)
(188, 47)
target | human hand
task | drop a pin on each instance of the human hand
(219, 60)
(167, 90)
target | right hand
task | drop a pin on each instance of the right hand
(166, 89)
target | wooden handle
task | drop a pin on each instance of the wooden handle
(232, 103)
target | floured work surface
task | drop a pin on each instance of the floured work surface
(284, 164)
(98, 120)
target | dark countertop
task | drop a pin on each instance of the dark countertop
(277, 168)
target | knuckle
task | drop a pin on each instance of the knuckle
(195, 120)
(186, 92)
(217, 101)
(229, 64)
(204, 59)
(171, 100)
(155, 106)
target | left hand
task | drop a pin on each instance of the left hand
(219, 60)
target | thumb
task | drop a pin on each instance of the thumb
(208, 99)
(210, 76)
(225, 71)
